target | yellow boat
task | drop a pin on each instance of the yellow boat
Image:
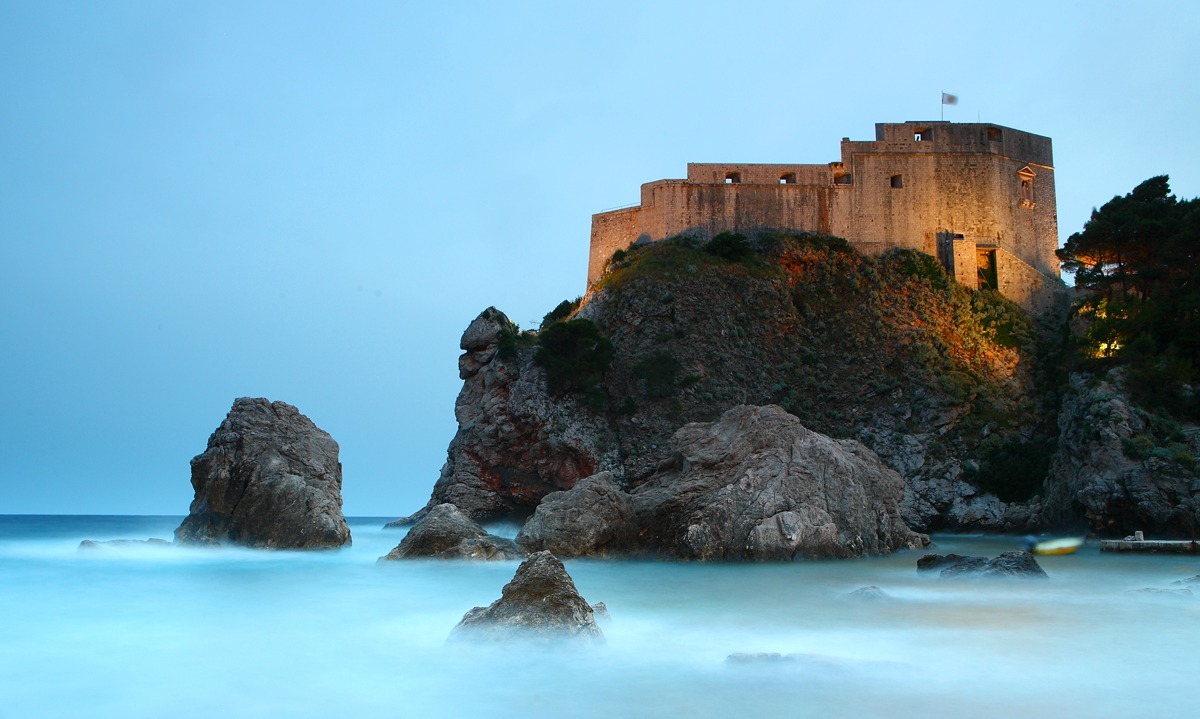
(1066, 545)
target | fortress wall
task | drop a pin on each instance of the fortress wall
(715, 173)
(874, 212)
(1022, 283)
(959, 182)
(966, 266)
(712, 209)
(611, 231)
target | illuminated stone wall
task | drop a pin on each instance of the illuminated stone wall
(970, 184)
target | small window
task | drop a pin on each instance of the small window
(844, 178)
(994, 134)
(733, 178)
(922, 134)
(787, 178)
(897, 181)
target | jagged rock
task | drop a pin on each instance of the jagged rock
(540, 603)
(592, 518)
(1188, 582)
(931, 562)
(515, 443)
(446, 533)
(600, 611)
(870, 594)
(1008, 564)
(692, 339)
(269, 478)
(1094, 479)
(756, 484)
(94, 544)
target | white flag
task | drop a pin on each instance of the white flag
(948, 99)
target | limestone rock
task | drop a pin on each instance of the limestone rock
(756, 484)
(1008, 564)
(1094, 479)
(446, 533)
(541, 603)
(269, 478)
(601, 613)
(592, 518)
(515, 443)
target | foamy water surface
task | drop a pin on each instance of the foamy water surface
(166, 631)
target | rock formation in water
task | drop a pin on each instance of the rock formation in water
(269, 478)
(1008, 564)
(869, 594)
(1120, 468)
(446, 533)
(101, 544)
(515, 443)
(756, 484)
(593, 518)
(935, 378)
(540, 603)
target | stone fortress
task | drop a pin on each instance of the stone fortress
(978, 196)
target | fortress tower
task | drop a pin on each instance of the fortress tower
(977, 196)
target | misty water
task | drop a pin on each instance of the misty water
(163, 631)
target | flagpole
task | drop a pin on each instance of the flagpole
(942, 105)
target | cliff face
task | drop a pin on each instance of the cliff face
(936, 379)
(1119, 468)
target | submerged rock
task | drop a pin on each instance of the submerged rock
(94, 544)
(1008, 564)
(540, 603)
(756, 484)
(592, 518)
(269, 478)
(869, 594)
(446, 533)
(1160, 592)
(600, 610)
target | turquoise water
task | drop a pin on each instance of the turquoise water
(166, 631)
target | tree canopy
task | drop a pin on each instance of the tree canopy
(1139, 256)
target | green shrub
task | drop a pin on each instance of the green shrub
(575, 355)
(561, 312)
(1138, 447)
(731, 246)
(918, 265)
(509, 340)
(659, 371)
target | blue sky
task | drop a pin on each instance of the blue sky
(310, 201)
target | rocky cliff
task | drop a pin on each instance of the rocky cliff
(1120, 468)
(940, 381)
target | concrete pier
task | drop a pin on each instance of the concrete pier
(1174, 546)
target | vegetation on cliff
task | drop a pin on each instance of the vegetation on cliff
(855, 346)
(1127, 459)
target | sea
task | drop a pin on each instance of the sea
(165, 631)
